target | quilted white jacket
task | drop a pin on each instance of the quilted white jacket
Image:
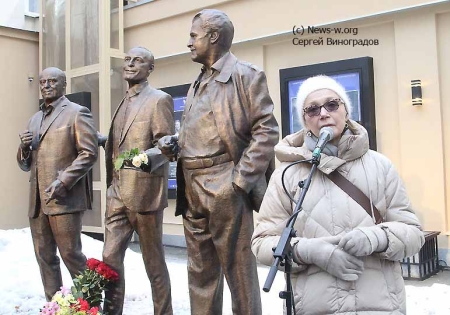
(329, 211)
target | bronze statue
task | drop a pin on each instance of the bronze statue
(136, 199)
(226, 150)
(59, 147)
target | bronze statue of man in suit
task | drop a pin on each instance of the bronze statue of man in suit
(226, 146)
(59, 147)
(136, 199)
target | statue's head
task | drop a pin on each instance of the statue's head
(138, 64)
(52, 82)
(211, 33)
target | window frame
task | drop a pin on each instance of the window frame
(363, 66)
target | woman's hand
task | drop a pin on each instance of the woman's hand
(364, 241)
(324, 253)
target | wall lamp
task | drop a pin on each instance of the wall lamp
(416, 92)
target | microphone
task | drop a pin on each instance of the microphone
(325, 135)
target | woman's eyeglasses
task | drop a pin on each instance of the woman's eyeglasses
(330, 106)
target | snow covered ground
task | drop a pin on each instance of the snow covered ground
(21, 290)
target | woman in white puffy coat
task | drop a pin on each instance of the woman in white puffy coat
(344, 263)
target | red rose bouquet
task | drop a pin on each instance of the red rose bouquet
(85, 296)
(93, 281)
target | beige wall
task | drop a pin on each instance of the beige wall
(20, 52)
(164, 24)
(443, 44)
(420, 127)
(413, 44)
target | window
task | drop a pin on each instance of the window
(32, 8)
(355, 75)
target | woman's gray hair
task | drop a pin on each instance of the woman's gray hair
(318, 83)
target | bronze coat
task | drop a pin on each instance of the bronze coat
(66, 151)
(150, 120)
(243, 111)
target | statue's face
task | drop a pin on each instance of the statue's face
(199, 42)
(52, 85)
(137, 65)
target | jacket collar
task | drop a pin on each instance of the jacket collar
(225, 67)
(59, 105)
(52, 105)
(135, 109)
(352, 146)
(136, 89)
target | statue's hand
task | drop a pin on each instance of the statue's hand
(169, 146)
(56, 190)
(101, 139)
(26, 137)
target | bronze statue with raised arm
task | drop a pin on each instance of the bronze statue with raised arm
(136, 199)
(59, 147)
(226, 146)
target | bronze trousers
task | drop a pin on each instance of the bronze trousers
(50, 232)
(218, 229)
(120, 223)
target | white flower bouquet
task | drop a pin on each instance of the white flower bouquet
(132, 159)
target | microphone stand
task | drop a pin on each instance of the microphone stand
(283, 251)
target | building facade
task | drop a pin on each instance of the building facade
(19, 49)
(404, 39)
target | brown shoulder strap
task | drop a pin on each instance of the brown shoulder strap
(355, 193)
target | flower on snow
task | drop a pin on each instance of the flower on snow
(83, 305)
(64, 291)
(63, 300)
(50, 308)
(86, 294)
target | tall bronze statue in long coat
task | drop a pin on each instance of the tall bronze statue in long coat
(59, 147)
(226, 150)
(136, 199)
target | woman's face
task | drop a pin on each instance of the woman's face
(333, 119)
